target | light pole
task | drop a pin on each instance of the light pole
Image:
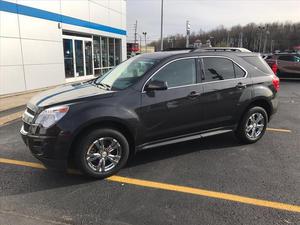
(140, 36)
(188, 31)
(145, 34)
(162, 26)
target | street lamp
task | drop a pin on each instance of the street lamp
(188, 32)
(145, 34)
(161, 26)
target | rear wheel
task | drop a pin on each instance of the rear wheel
(102, 153)
(253, 125)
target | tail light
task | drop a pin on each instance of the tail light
(274, 67)
(276, 83)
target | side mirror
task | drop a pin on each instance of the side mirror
(156, 85)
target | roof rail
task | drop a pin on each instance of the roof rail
(178, 49)
(221, 49)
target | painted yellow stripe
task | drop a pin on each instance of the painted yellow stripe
(279, 130)
(206, 193)
(177, 188)
(22, 163)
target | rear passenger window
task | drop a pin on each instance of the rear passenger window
(258, 63)
(178, 73)
(289, 58)
(238, 71)
(216, 69)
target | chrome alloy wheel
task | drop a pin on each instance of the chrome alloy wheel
(255, 125)
(104, 154)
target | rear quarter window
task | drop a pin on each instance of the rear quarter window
(258, 63)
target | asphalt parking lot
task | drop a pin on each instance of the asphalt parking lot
(218, 181)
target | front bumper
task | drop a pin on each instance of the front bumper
(51, 151)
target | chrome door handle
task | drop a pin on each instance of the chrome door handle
(194, 94)
(240, 85)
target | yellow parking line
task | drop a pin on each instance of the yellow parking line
(177, 188)
(206, 193)
(279, 130)
(22, 163)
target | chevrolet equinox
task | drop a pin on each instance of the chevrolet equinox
(148, 101)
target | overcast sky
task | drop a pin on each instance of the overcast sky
(206, 14)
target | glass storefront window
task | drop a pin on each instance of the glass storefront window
(104, 49)
(79, 58)
(68, 57)
(107, 54)
(117, 51)
(111, 52)
(97, 52)
(88, 58)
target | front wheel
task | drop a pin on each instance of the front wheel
(102, 153)
(253, 125)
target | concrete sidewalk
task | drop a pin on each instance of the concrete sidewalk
(13, 106)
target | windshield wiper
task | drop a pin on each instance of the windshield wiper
(106, 86)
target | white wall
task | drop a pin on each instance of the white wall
(31, 49)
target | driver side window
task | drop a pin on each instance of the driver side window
(179, 73)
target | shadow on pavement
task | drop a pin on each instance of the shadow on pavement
(169, 151)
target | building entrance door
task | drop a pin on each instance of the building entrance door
(78, 56)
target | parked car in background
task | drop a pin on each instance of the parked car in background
(285, 65)
(149, 101)
(266, 56)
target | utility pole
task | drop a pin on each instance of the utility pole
(135, 31)
(188, 32)
(162, 26)
(145, 34)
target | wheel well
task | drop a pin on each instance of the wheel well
(262, 103)
(105, 124)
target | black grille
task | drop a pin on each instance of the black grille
(26, 127)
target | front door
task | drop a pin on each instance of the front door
(78, 56)
(175, 111)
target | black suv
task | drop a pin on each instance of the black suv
(148, 101)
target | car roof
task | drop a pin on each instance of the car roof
(189, 53)
(224, 49)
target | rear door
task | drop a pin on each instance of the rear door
(286, 63)
(226, 87)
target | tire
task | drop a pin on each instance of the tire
(256, 118)
(102, 153)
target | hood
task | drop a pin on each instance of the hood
(67, 94)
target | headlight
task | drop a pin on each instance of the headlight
(50, 116)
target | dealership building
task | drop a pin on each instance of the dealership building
(50, 42)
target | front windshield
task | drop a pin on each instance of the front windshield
(126, 74)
